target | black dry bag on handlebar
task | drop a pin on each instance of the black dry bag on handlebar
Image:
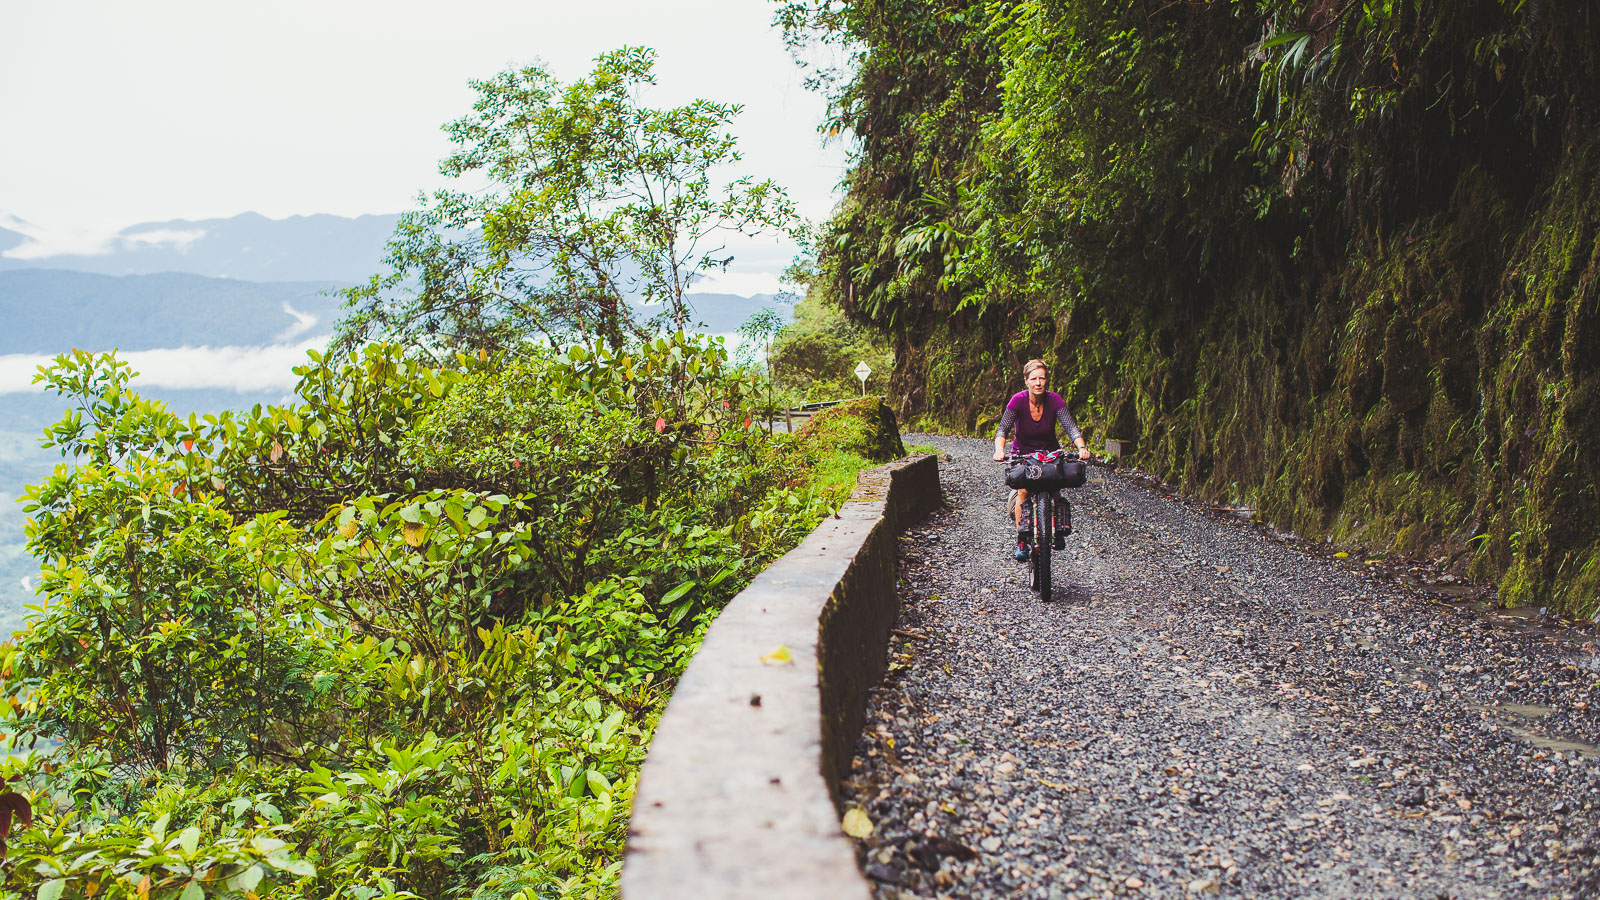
(1052, 471)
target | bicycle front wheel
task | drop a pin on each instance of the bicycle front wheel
(1043, 542)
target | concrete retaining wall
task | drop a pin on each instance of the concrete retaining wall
(737, 797)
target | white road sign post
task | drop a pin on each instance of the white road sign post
(862, 371)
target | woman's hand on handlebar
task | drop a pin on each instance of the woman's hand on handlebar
(999, 457)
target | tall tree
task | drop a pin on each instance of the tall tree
(594, 200)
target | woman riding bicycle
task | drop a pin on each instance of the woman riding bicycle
(1033, 414)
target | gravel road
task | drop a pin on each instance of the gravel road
(1207, 710)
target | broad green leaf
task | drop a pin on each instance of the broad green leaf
(610, 725)
(1281, 39)
(300, 867)
(679, 591)
(249, 878)
(267, 845)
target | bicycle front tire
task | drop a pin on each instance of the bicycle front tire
(1043, 542)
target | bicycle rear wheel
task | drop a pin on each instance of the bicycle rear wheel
(1043, 542)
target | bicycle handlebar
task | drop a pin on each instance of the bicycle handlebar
(1018, 457)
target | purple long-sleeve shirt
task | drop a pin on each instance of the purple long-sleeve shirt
(1034, 435)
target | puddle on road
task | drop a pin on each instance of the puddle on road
(1524, 710)
(1514, 718)
(1531, 620)
(1569, 748)
(1454, 590)
(1525, 616)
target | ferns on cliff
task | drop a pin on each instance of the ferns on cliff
(1293, 247)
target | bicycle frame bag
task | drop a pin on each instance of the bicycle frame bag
(1047, 472)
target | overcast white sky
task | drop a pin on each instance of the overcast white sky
(122, 112)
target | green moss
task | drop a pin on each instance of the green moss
(835, 445)
(864, 427)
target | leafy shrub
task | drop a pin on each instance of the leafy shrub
(818, 353)
(406, 637)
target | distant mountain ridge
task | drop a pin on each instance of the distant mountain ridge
(248, 246)
(51, 311)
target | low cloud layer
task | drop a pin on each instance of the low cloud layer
(40, 242)
(163, 237)
(742, 284)
(241, 369)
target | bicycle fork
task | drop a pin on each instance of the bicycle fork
(1061, 519)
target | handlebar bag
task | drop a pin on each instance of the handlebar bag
(1047, 472)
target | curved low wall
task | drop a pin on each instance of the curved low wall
(737, 797)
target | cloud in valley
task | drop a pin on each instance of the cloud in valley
(42, 242)
(164, 237)
(743, 284)
(303, 322)
(242, 369)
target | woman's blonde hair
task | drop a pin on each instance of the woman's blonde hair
(1030, 365)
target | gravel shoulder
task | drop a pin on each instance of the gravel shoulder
(1204, 710)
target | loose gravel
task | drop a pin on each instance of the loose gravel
(1206, 710)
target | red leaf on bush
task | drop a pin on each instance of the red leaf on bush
(13, 807)
(661, 424)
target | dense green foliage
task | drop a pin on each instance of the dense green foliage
(815, 356)
(1339, 260)
(408, 636)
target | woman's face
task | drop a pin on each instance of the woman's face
(1035, 382)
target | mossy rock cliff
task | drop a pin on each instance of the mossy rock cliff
(1338, 261)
